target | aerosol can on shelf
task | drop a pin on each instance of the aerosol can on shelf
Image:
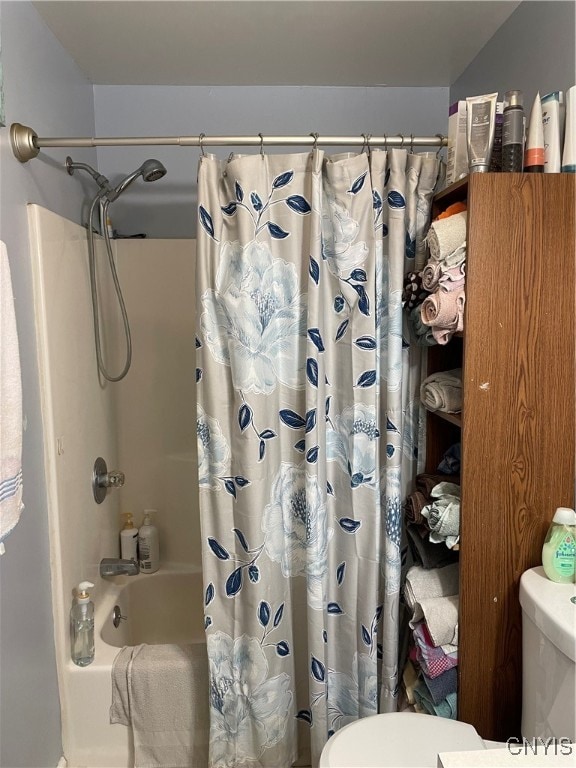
(82, 626)
(148, 545)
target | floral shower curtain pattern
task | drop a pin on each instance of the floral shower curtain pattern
(308, 422)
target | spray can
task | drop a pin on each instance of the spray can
(513, 133)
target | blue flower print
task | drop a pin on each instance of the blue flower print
(339, 232)
(213, 451)
(351, 441)
(255, 319)
(296, 528)
(351, 697)
(248, 710)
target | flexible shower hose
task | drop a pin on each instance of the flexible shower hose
(94, 290)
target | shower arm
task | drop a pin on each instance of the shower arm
(26, 144)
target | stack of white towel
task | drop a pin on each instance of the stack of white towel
(444, 277)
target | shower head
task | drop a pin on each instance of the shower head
(150, 170)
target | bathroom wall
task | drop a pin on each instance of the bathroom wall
(43, 88)
(533, 50)
(167, 207)
(156, 402)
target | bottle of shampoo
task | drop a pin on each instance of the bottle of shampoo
(129, 539)
(513, 133)
(148, 546)
(82, 626)
(534, 152)
(559, 550)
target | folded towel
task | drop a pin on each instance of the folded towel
(432, 595)
(451, 461)
(160, 691)
(441, 616)
(452, 279)
(431, 275)
(446, 708)
(422, 584)
(413, 292)
(446, 235)
(422, 333)
(442, 685)
(427, 481)
(443, 514)
(433, 661)
(444, 311)
(455, 258)
(10, 407)
(442, 391)
(430, 555)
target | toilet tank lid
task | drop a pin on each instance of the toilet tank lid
(552, 608)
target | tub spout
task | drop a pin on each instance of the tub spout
(114, 566)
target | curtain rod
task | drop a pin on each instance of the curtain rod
(26, 143)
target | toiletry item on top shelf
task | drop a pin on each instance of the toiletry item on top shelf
(559, 550)
(480, 125)
(128, 539)
(513, 133)
(496, 159)
(553, 127)
(534, 152)
(148, 545)
(82, 626)
(569, 153)
(457, 152)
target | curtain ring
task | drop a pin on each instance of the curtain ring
(261, 145)
(315, 136)
(411, 143)
(385, 143)
(402, 137)
(441, 137)
(200, 142)
(366, 145)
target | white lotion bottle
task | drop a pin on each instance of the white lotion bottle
(129, 539)
(82, 626)
(148, 544)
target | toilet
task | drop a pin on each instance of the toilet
(404, 739)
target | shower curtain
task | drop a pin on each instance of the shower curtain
(308, 423)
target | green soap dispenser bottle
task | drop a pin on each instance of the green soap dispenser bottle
(82, 626)
(559, 550)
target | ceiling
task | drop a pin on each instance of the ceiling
(274, 42)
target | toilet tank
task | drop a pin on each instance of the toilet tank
(548, 657)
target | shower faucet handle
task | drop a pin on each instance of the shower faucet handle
(102, 480)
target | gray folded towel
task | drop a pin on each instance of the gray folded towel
(442, 391)
(432, 595)
(160, 691)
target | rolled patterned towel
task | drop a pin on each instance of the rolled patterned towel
(446, 235)
(442, 391)
(413, 292)
(423, 333)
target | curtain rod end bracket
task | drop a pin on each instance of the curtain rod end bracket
(23, 142)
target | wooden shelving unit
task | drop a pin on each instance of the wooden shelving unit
(518, 422)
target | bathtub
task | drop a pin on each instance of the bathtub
(163, 607)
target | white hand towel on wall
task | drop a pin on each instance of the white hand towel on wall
(10, 407)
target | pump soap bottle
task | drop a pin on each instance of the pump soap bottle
(148, 546)
(82, 626)
(559, 550)
(129, 539)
